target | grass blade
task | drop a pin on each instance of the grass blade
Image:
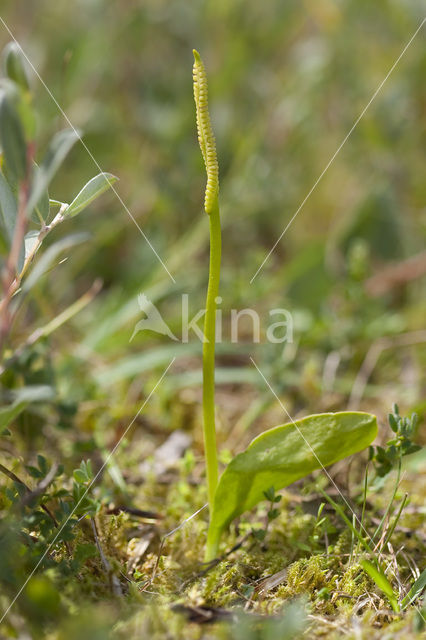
(379, 578)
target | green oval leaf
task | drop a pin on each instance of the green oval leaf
(92, 190)
(12, 135)
(80, 476)
(282, 455)
(8, 208)
(15, 65)
(42, 208)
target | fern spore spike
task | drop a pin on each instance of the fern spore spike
(211, 206)
(205, 133)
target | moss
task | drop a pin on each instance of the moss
(333, 585)
(352, 585)
(307, 575)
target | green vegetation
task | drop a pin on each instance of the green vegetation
(211, 205)
(103, 481)
(281, 455)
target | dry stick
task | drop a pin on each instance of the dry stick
(373, 354)
(37, 491)
(41, 487)
(396, 275)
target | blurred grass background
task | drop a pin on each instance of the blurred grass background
(287, 81)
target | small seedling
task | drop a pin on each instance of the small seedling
(281, 455)
(272, 513)
(386, 459)
(404, 428)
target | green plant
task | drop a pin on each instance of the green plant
(211, 206)
(404, 428)
(287, 452)
(40, 517)
(47, 514)
(271, 514)
(27, 213)
(386, 459)
(373, 568)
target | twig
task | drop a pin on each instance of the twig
(44, 231)
(396, 275)
(31, 494)
(133, 511)
(41, 487)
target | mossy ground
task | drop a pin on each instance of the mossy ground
(172, 594)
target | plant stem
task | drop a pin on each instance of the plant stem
(209, 354)
(388, 508)
(211, 206)
(11, 266)
(41, 236)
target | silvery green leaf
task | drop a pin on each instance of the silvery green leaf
(12, 136)
(8, 208)
(42, 208)
(15, 65)
(92, 190)
(30, 242)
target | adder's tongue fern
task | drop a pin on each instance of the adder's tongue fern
(205, 133)
(211, 206)
(268, 462)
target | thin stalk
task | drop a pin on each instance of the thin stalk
(364, 504)
(395, 522)
(209, 354)
(41, 236)
(11, 266)
(387, 511)
(211, 207)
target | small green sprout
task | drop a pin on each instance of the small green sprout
(281, 455)
(272, 513)
(404, 428)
